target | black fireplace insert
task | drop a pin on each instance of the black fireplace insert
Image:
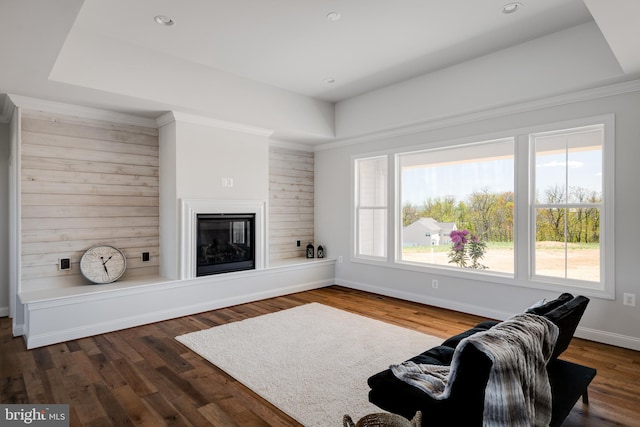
(225, 243)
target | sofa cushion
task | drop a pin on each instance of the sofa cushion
(455, 340)
(546, 307)
(463, 407)
(440, 355)
(566, 317)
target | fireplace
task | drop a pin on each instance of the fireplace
(225, 242)
(188, 244)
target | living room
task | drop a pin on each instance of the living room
(563, 77)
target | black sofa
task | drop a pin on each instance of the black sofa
(465, 404)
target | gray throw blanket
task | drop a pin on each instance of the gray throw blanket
(518, 392)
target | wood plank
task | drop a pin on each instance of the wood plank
(135, 379)
(304, 188)
(294, 157)
(216, 415)
(114, 408)
(67, 239)
(94, 143)
(135, 408)
(66, 177)
(166, 410)
(291, 210)
(109, 375)
(304, 182)
(88, 211)
(291, 195)
(290, 172)
(281, 194)
(13, 390)
(95, 166)
(36, 392)
(91, 189)
(85, 182)
(292, 217)
(44, 151)
(36, 255)
(169, 351)
(44, 122)
(59, 224)
(277, 226)
(85, 401)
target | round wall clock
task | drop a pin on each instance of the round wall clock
(103, 264)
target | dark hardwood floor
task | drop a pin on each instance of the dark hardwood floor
(143, 376)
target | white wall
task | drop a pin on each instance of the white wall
(207, 154)
(194, 158)
(564, 76)
(605, 320)
(569, 60)
(87, 59)
(4, 219)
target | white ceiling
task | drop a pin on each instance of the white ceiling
(267, 44)
(290, 44)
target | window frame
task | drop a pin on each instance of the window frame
(605, 287)
(467, 144)
(355, 226)
(523, 220)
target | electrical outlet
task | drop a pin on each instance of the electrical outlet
(340, 259)
(298, 243)
(629, 299)
(64, 264)
(145, 256)
(434, 284)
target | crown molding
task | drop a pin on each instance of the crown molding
(7, 110)
(176, 116)
(486, 114)
(291, 145)
(82, 112)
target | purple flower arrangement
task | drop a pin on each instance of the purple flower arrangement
(466, 250)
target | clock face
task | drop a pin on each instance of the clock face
(103, 264)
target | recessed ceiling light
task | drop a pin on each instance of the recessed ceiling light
(333, 16)
(329, 80)
(511, 7)
(163, 20)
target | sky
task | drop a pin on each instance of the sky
(497, 176)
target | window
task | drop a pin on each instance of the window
(567, 203)
(371, 207)
(468, 187)
(532, 207)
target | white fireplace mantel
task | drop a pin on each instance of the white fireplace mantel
(190, 208)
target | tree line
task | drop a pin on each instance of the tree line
(491, 215)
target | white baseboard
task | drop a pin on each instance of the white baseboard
(603, 337)
(424, 299)
(18, 330)
(4, 311)
(610, 338)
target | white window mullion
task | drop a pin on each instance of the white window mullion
(524, 214)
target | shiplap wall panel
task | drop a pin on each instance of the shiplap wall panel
(89, 166)
(291, 193)
(86, 182)
(84, 200)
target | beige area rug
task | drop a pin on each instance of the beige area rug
(310, 361)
